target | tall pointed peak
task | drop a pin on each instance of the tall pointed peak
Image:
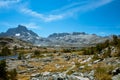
(22, 27)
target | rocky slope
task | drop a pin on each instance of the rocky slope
(12, 42)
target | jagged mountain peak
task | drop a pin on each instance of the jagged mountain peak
(21, 32)
(66, 34)
(58, 35)
(21, 27)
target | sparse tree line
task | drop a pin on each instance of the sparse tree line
(115, 42)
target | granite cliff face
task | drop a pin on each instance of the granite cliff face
(75, 39)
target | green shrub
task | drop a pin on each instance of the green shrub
(66, 50)
(5, 51)
(20, 56)
(36, 52)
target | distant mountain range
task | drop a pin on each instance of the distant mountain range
(75, 39)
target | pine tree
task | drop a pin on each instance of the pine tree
(3, 72)
(115, 40)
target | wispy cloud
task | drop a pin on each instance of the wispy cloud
(70, 6)
(31, 25)
(87, 6)
(63, 12)
(8, 3)
(66, 11)
(43, 17)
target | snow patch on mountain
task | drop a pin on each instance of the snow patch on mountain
(18, 34)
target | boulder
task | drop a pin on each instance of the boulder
(116, 77)
(116, 71)
(81, 67)
(35, 75)
(95, 62)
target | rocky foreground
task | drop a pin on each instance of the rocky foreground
(64, 66)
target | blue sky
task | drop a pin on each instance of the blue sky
(44, 17)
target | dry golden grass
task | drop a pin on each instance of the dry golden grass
(102, 70)
(23, 77)
(101, 74)
(50, 66)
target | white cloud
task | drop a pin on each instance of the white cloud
(7, 3)
(66, 11)
(63, 12)
(87, 6)
(45, 18)
(31, 25)
(70, 6)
